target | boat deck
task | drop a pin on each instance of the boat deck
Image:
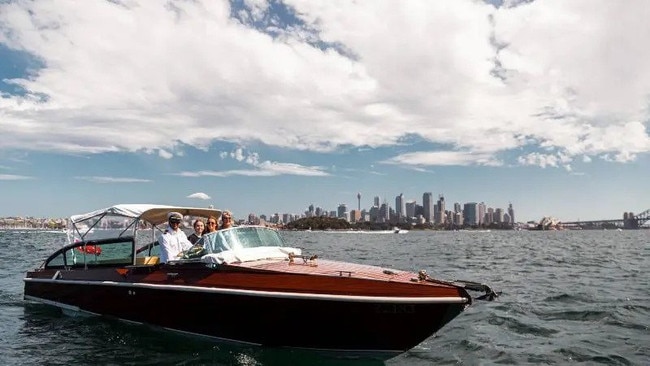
(333, 269)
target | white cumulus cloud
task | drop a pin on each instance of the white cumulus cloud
(567, 77)
(199, 195)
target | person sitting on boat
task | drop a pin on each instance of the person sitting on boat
(173, 241)
(211, 225)
(198, 231)
(226, 220)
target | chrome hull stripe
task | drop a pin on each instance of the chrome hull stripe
(286, 295)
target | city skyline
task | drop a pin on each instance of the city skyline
(265, 106)
(404, 210)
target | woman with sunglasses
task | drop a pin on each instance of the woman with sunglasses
(211, 225)
(226, 220)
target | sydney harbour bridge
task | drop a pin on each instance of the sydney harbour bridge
(629, 221)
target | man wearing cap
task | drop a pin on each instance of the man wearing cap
(173, 241)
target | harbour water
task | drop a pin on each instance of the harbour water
(568, 297)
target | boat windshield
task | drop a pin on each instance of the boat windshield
(241, 237)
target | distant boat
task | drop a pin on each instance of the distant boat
(397, 230)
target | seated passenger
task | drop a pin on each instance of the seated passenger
(198, 231)
(173, 241)
(211, 225)
(226, 220)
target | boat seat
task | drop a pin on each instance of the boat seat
(148, 260)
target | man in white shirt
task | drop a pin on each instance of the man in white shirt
(173, 241)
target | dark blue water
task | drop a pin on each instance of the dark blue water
(569, 297)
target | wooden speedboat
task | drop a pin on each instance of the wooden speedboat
(242, 285)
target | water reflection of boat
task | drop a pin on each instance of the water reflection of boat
(244, 285)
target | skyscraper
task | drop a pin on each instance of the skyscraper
(427, 203)
(410, 208)
(342, 211)
(400, 207)
(470, 214)
(511, 212)
(440, 210)
(481, 213)
(359, 201)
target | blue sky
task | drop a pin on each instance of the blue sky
(264, 107)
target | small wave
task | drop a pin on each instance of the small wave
(520, 327)
(566, 298)
(587, 355)
(577, 315)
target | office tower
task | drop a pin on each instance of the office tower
(440, 210)
(511, 212)
(498, 215)
(470, 214)
(457, 207)
(458, 218)
(384, 213)
(400, 207)
(374, 214)
(419, 210)
(481, 214)
(427, 203)
(376, 201)
(311, 210)
(355, 216)
(410, 208)
(489, 216)
(342, 210)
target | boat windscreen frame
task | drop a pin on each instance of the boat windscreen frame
(62, 250)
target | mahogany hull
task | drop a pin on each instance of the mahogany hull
(343, 315)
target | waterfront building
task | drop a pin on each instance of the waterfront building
(374, 214)
(355, 216)
(481, 214)
(440, 210)
(498, 215)
(342, 210)
(427, 204)
(458, 218)
(489, 216)
(400, 208)
(470, 214)
(511, 212)
(376, 201)
(410, 208)
(384, 213)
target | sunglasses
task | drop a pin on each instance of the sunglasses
(211, 223)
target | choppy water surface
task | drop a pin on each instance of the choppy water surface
(569, 297)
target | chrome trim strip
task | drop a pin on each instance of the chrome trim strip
(287, 295)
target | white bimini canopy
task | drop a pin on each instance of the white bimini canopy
(153, 214)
